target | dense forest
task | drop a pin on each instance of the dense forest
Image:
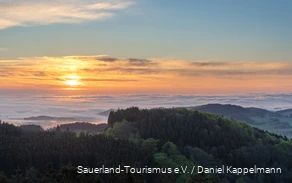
(138, 138)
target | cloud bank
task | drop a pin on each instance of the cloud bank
(104, 73)
(26, 13)
(14, 108)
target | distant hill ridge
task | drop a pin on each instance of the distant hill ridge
(277, 122)
(81, 126)
(287, 112)
(42, 117)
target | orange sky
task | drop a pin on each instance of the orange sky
(104, 74)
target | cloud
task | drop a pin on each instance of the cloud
(104, 58)
(108, 6)
(108, 59)
(125, 70)
(110, 80)
(106, 73)
(139, 62)
(40, 73)
(95, 64)
(208, 63)
(26, 13)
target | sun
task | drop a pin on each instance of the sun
(72, 81)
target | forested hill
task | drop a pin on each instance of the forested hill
(233, 111)
(225, 140)
(184, 127)
(168, 138)
(192, 128)
(287, 112)
(279, 122)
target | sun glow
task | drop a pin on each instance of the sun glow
(72, 81)
(105, 74)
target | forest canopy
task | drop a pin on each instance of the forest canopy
(139, 137)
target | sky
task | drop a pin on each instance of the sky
(145, 46)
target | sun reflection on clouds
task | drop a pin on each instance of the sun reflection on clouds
(72, 81)
(102, 74)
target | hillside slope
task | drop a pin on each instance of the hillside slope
(276, 122)
(162, 138)
(222, 141)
